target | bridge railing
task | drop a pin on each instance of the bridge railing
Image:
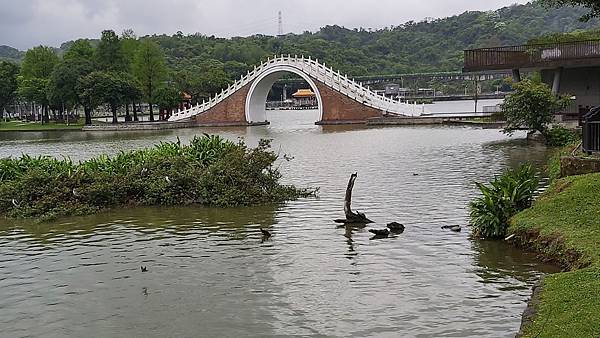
(530, 56)
(313, 68)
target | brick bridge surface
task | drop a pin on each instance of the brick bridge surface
(337, 108)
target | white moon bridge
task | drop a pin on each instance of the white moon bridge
(340, 99)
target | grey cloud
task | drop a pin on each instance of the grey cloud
(25, 23)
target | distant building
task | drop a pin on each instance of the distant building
(305, 98)
(568, 68)
(426, 92)
(396, 91)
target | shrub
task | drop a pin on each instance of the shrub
(560, 137)
(208, 171)
(532, 105)
(503, 198)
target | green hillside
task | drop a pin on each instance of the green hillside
(10, 54)
(410, 47)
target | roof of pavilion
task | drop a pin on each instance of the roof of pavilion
(304, 93)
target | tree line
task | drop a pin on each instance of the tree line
(118, 72)
(122, 71)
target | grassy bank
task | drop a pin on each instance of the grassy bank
(564, 225)
(10, 126)
(209, 171)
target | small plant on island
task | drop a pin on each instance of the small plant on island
(532, 106)
(209, 171)
(506, 195)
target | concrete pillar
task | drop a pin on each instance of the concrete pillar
(556, 82)
(516, 75)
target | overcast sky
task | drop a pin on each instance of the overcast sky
(26, 23)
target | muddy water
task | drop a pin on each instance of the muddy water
(211, 276)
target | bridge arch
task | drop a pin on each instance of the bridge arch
(259, 90)
(340, 99)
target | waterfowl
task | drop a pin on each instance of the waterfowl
(144, 268)
(168, 179)
(380, 233)
(455, 228)
(265, 233)
(14, 202)
(396, 227)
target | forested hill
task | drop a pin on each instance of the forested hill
(10, 53)
(425, 46)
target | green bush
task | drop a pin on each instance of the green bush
(560, 137)
(208, 171)
(503, 198)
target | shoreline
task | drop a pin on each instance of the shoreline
(562, 229)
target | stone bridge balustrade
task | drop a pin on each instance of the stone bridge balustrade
(341, 99)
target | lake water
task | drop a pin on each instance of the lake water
(211, 276)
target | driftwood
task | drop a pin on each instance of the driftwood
(352, 217)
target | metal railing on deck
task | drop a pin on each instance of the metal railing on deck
(591, 137)
(525, 56)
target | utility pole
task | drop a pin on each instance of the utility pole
(280, 28)
(476, 92)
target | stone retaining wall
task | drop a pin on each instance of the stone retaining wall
(572, 165)
(139, 126)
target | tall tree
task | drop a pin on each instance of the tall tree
(131, 93)
(593, 5)
(109, 53)
(111, 88)
(532, 105)
(36, 69)
(39, 62)
(62, 86)
(8, 84)
(167, 98)
(150, 69)
(129, 45)
(203, 79)
(80, 50)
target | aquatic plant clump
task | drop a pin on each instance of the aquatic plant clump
(506, 195)
(209, 171)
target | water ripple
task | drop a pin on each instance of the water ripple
(209, 270)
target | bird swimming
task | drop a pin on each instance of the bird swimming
(265, 233)
(144, 268)
(396, 227)
(385, 233)
(455, 228)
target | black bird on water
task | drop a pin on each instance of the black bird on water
(396, 227)
(144, 268)
(455, 228)
(265, 233)
(385, 233)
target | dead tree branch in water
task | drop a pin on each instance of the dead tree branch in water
(352, 217)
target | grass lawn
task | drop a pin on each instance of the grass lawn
(567, 218)
(36, 126)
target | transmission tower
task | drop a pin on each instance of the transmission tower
(280, 29)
